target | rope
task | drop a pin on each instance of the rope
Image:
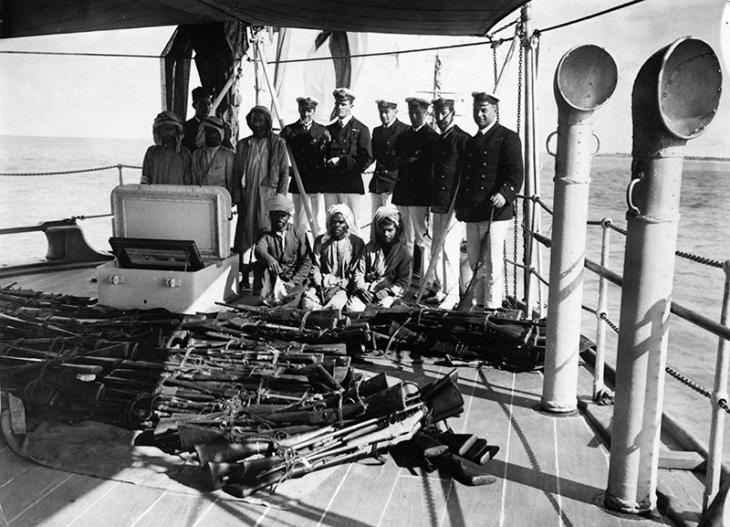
(687, 381)
(588, 17)
(699, 259)
(64, 172)
(602, 316)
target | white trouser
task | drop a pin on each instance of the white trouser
(446, 261)
(380, 200)
(351, 200)
(489, 289)
(300, 216)
(415, 232)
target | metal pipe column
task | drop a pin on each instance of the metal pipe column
(585, 79)
(675, 96)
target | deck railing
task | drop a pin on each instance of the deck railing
(718, 396)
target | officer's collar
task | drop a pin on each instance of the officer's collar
(483, 131)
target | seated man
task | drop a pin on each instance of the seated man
(213, 162)
(383, 271)
(167, 162)
(335, 255)
(283, 257)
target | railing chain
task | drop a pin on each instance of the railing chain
(66, 172)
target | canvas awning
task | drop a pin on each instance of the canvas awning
(22, 18)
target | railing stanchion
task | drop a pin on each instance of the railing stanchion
(120, 168)
(598, 383)
(719, 393)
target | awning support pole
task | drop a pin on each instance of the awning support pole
(292, 161)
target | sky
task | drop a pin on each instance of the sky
(119, 97)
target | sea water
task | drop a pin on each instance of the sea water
(703, 230)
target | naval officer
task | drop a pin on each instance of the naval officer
(491, 178)
(386, 160)
(307, 140)
(347, 156)
(447, 159)
(415, 171)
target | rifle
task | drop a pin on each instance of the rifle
(257, 474)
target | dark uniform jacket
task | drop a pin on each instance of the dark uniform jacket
(386, 160)
(492, 163)
(308, 148)
(190, 132)
(448, 157)
(351, 143)
(415, 166)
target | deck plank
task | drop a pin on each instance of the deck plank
(400, 492)
(529, 466)
(488, 418)
(28, 488)
(11, 465)
(66, 502)
(180, 510)
(121, 507)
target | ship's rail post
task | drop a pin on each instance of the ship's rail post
(719, 393)
(675, 96)
(585, 79)
(599, 385)
(120, 170)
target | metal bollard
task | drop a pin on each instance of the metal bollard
(584, 80)
(675, 96)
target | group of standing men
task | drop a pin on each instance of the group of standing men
(461, 186)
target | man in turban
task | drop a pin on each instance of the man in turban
(283, 256)
(383, 271)
(307, 140)
(213, 162)
(347, 156)
(260, 171)
(166, 162)
(334, 257)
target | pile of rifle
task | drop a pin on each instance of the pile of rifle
(498, 338)
(261, 395)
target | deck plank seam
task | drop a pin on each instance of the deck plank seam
(263, 515)
(148, 509)
(42, 497)
(557, 474)
(26, 469)
(506, 451)
(334, 495)
(93, 504)
(202, 514)
(463, 430)
(400, 472)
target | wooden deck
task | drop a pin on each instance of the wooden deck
(550, 471)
